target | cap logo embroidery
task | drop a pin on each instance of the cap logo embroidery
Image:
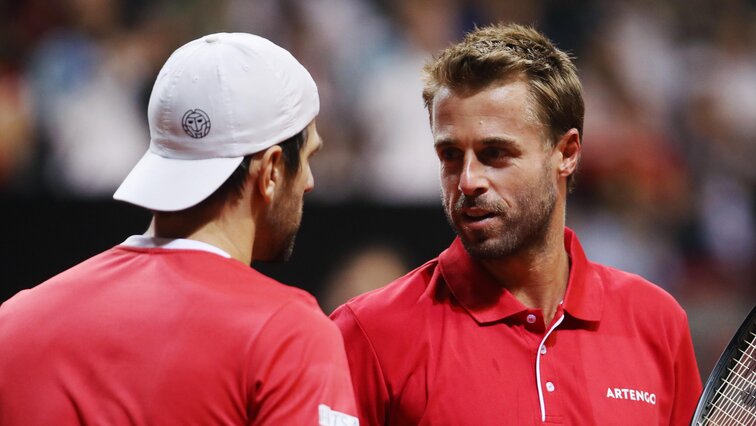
(196, 123)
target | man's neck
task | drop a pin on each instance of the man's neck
(233, 235)
(537, 277)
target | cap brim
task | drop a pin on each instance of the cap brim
(166, 184)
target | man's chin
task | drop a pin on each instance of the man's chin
(486, 245)
(477, 237)
(482, 250)
(284, 253)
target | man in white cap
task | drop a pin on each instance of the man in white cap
(173, 326)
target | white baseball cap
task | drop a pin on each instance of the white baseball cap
(216, 99)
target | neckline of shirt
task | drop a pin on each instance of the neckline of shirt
(143, 241)
(582, 299)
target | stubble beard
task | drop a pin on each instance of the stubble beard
(285, 223)
(521, 230)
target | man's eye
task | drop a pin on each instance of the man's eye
(492, 152)
(448, 154)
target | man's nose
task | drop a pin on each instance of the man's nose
(310, 181)
(472, 180)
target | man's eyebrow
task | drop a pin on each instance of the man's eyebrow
(493, 140)
(443, 142)
(496, 140)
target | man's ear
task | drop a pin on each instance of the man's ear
(569, 147)
(270, 173)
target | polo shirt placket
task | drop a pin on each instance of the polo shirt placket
(583, 296)
(448, 344)
(549, 396)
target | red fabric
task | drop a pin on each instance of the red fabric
(168, 337)
(446, 345)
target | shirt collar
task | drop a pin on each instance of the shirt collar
(585, 289)
(487, 301)
(172, 244)
(478, 292)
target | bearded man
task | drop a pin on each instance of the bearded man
(173, 327)
(512, 324)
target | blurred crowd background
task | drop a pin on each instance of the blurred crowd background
(667, 183)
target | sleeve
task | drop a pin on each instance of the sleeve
(298, 372)
(367, 377)
(688, 386)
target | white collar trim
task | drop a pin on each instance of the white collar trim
(172, 244)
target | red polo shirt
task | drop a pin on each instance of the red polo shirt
(175, 333)
(448, 345)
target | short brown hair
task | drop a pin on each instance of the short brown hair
(497, 52)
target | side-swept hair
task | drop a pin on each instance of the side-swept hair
(499, 52)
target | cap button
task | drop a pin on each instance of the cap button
(212, 38)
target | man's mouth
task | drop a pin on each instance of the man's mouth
(476, 214)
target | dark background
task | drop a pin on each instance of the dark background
(45, 237)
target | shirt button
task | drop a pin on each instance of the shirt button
(549, 386)
(531, 318)
(543, 350)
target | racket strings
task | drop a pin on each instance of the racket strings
(723, 418)
(729, 406)
(734, 402)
